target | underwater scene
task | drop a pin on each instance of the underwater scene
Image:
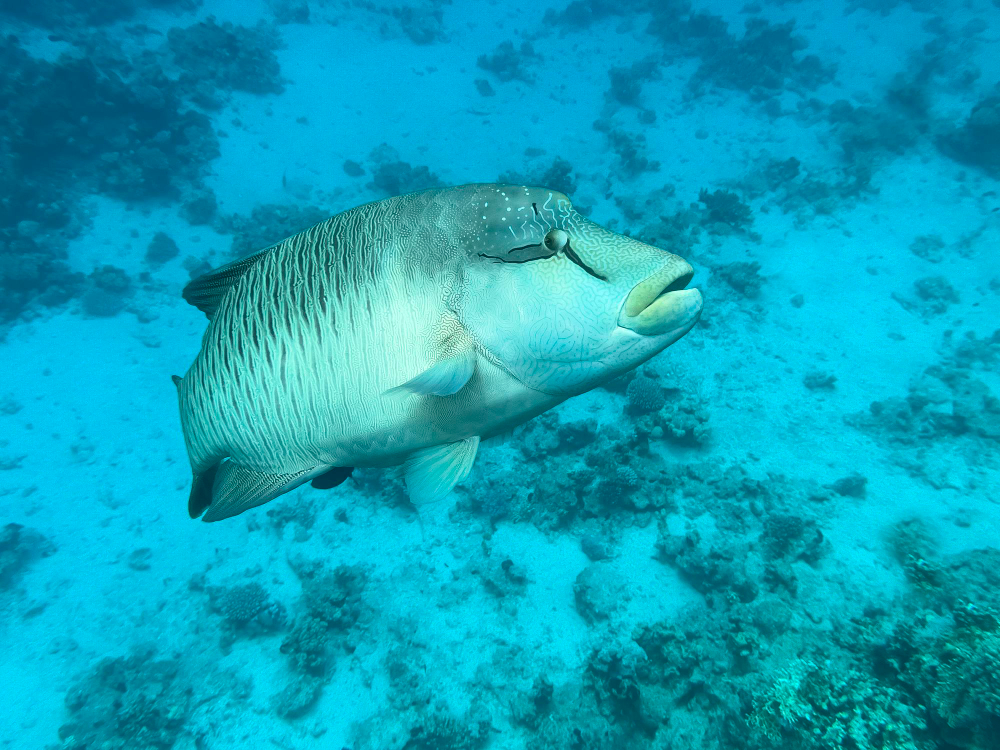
(453, 375)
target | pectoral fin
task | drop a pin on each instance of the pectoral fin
(445, 378)
(431, 473)
(236, 488)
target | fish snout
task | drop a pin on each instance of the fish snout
(661, 303)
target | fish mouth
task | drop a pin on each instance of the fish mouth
(662, 303)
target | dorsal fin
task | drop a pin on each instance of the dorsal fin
(206, 292)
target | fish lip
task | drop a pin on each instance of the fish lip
(661, 304)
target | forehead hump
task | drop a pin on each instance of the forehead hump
(518, 211)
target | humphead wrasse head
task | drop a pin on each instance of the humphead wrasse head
(561, 303)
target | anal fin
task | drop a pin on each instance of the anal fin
(237, 488)
(431, 473)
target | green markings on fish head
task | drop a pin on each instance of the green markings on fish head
(560, 302)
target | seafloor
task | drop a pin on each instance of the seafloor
(782, 532)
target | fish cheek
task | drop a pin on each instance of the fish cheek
(494, 307)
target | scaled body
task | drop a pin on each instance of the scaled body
(407, 330)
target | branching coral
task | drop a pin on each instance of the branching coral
(306, 645)
(241, 604)
(963, 679)
(824, 705)
(645, 395)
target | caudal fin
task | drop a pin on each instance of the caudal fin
(201, 492)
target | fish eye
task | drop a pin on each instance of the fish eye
(555, 240)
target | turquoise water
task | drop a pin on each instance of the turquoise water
(780, 532)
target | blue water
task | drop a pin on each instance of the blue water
(780, 532)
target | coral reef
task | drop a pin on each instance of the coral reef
(684, 419)
(33, 273)
(241, 605)
(599, 591)
(199, 205)
(713, 569)
(930, 247)
(595, 547)
(267, 225)
(330, 613)
(429, 729)
(297, 697)
(725, 207)
(581, 14)
(626, 83)
(421, 22)
(629, 148)
(742, 276)
(334, 598)
(867, 134)
(289, 11)
(765, 60)
(392, 176)
(508, 63)
(19, 546)
(977, 140)
(95, 120)
(817, 380)
(226, 57)
(933, 296)
(247, 611)
(558, 175)
(298, 511)
(807, 191)
(949, 418)
(751, 670)
(161, 249)
(645, 395)
(84, 13)
(306, 646)
(813, 706)
(941, 403)
(137, 701)
(128, 126)
(617, 486)
(108, 290)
